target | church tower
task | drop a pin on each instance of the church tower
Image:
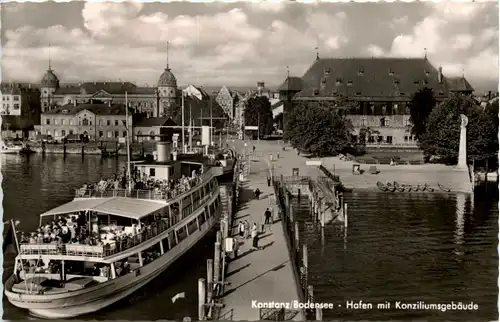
(50, 83)
(167, 91)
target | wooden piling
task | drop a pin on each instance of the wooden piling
(217, 259)
(345, 214)
(304, 262)
(310, 294)
(201, 299)
(322, 219)
(83, 149)
(297, 241)
(210, 279)
(298, 192)
(291, 213)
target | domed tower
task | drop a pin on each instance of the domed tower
(167, 92)
(50, 83)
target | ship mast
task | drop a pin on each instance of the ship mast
(129, 171)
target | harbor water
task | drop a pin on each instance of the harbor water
(34, 184)
(407, 247)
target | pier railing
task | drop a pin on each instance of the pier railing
(298, 254)
(280, 314)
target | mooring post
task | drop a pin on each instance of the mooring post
(298, 192)
(304, 263)
(217, 259)
(310, 294)
(322, 218)
(210, 279)
(291, 213)
(201, 299)
(345, 214)
(297, 241)
(83, 148)
(319, 314)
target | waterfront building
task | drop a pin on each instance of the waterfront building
(97, 122)
(379, 91)
(230, 102)
(162, 100)
(20, 109)
(150, 129)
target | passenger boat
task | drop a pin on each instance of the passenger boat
(131, 236)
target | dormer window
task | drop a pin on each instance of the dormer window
(426, 82)
(323, 81)
(338, 81)
(65, 111)
(427, 73)
(441, 93)
(315, 92)
(416, 82)
(361, 72)
(358, 93)
(326, 71)
(391, 73)
(396, 82)
(349, 83)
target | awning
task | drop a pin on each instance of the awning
(117, 206)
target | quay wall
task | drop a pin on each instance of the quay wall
(91, 148)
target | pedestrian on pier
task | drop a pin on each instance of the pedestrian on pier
(268, 181)
(241, 229)
(268, 221)
(236, 247)
(255, 238)
(247, 229)
(257, 193)
(254, 148)
(277, 155)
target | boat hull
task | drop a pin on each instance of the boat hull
(68, 305)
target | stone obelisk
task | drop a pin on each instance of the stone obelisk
(462, 151)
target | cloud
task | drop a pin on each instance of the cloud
(375, 51)
(240, 44)
(454, 38)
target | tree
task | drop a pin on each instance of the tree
(421, 106)
(258, 113)
(441, 138)
(315, 128)
(278, 120)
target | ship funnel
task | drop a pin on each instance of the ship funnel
(163, 150)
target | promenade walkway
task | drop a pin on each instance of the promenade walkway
(265, 275)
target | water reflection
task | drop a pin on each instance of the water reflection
(460, 223)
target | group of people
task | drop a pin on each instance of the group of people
(70, 229)
(169, 188)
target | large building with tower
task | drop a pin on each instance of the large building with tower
(378, 90)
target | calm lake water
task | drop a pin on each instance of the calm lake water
(34, 184)
(408, 247)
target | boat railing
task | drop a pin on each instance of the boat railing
(100, 251)
(153, 194)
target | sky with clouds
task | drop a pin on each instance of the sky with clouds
(240, 43)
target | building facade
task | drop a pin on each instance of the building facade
(229, 100)
(162, 100)
(98, 122)
(378, 90)
(20, 109)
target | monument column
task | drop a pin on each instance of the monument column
(462, 151)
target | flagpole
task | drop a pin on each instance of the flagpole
(129, 172)
(182, 112)
(19, 252)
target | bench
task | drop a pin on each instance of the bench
(373, 170)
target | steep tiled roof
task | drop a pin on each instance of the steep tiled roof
(10, 89)
(459, 84)
(110, 87)
(99, 109)
(155, 121)
(373, 77)
(293, 84)
(67, 91)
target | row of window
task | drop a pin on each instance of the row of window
(7, 98)
(386, 122)
(16, 106)
(387, 139)
(110, 134)
(86, 121)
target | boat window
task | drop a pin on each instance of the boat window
(171, 239)
(196, 198)
(212, 209)
(206, 188)
(165, 244)
(181, 234)
(150, 254)
(174, 213)
(192, 226)
(201, 218)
